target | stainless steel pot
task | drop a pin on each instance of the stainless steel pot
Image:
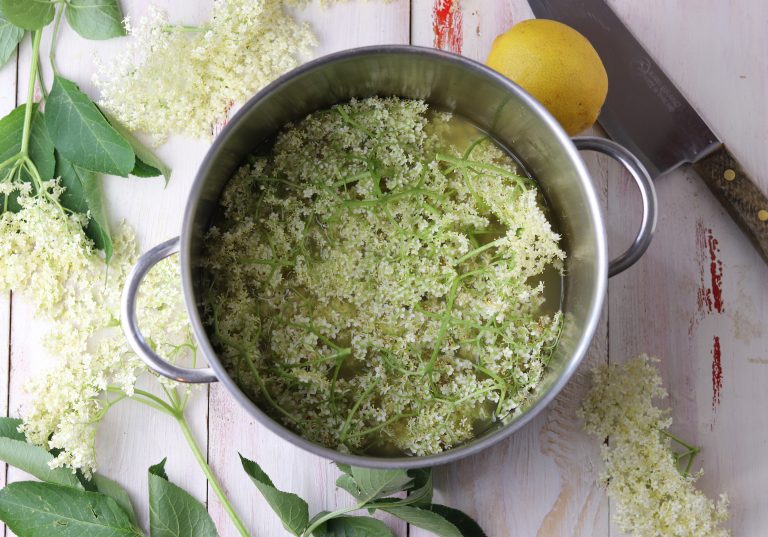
(452, 83)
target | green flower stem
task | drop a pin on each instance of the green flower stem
(30, 93)
(185, 28)
(54, 39)
(176, 410)
(691, 451)
(328, 516)
(40, 78)
(463, 163)
(209, 475)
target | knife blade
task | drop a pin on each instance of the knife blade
(646, 113)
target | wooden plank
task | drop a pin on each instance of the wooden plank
(232, 430)
(700, 291)
(132, 437)
(541, 481)
(7, 103)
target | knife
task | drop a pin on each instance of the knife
(646, 113)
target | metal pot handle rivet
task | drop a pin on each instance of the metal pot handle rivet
(647, 191)
(131, 327)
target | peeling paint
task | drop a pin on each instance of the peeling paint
(447, 25)
(717, 372)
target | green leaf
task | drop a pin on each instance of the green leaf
(421, 493)
(173, 512)
(116, 492)
(292, 510)
(144, 155)
(9, 428)
(34, 460)
(346, 468)
(83, 195)
(10, 37)
(425, 519)
(465, 524)
(353, 526)
(347, 483)
(32, 509)
(40, 145)
(159, 469)
(82, 134)
(28, 14)
(142, 169)
(95, 19)
(373, 484)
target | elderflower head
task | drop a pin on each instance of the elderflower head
(652, 498)
(180, 80)
(47, 259)
(366, 292)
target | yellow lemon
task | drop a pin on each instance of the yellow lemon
(558, 66)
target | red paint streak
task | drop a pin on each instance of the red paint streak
(447, 25)
(709, 295)
(717, 372)
(715, 271)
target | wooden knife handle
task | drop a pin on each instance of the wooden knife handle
(740, 196)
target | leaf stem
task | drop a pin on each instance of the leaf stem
(55, 38)
(189, 437)
(30, 94)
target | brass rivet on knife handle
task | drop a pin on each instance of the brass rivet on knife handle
(740, 196)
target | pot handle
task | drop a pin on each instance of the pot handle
(131, 326)
(647, 191)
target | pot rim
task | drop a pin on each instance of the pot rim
(472, 446)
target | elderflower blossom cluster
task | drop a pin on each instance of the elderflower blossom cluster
(651, 496)
(374, 295)
(175, 79)
(47, 259)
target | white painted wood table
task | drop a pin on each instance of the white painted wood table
(542, 481)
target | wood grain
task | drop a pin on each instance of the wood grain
(7, 103)
(541, 482)
(132, 437)
(232, 430)
(741, 198)
(661, 305)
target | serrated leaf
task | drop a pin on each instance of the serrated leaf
(159, 469)
(81, 133)
(95, 19)
(345, 468)
(9, 428)
(353, 526)
(34, 460)
(32, 509)
(373, 484)
(28, 14)
(173, 512)
(113, 489)
(463, 522)
(292, 510)
(10, 37)
(84, 194)
(144, 155)
(425, 519)
(40, 145)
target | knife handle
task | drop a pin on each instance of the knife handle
(740, 196)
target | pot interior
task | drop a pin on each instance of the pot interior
(484, 98)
